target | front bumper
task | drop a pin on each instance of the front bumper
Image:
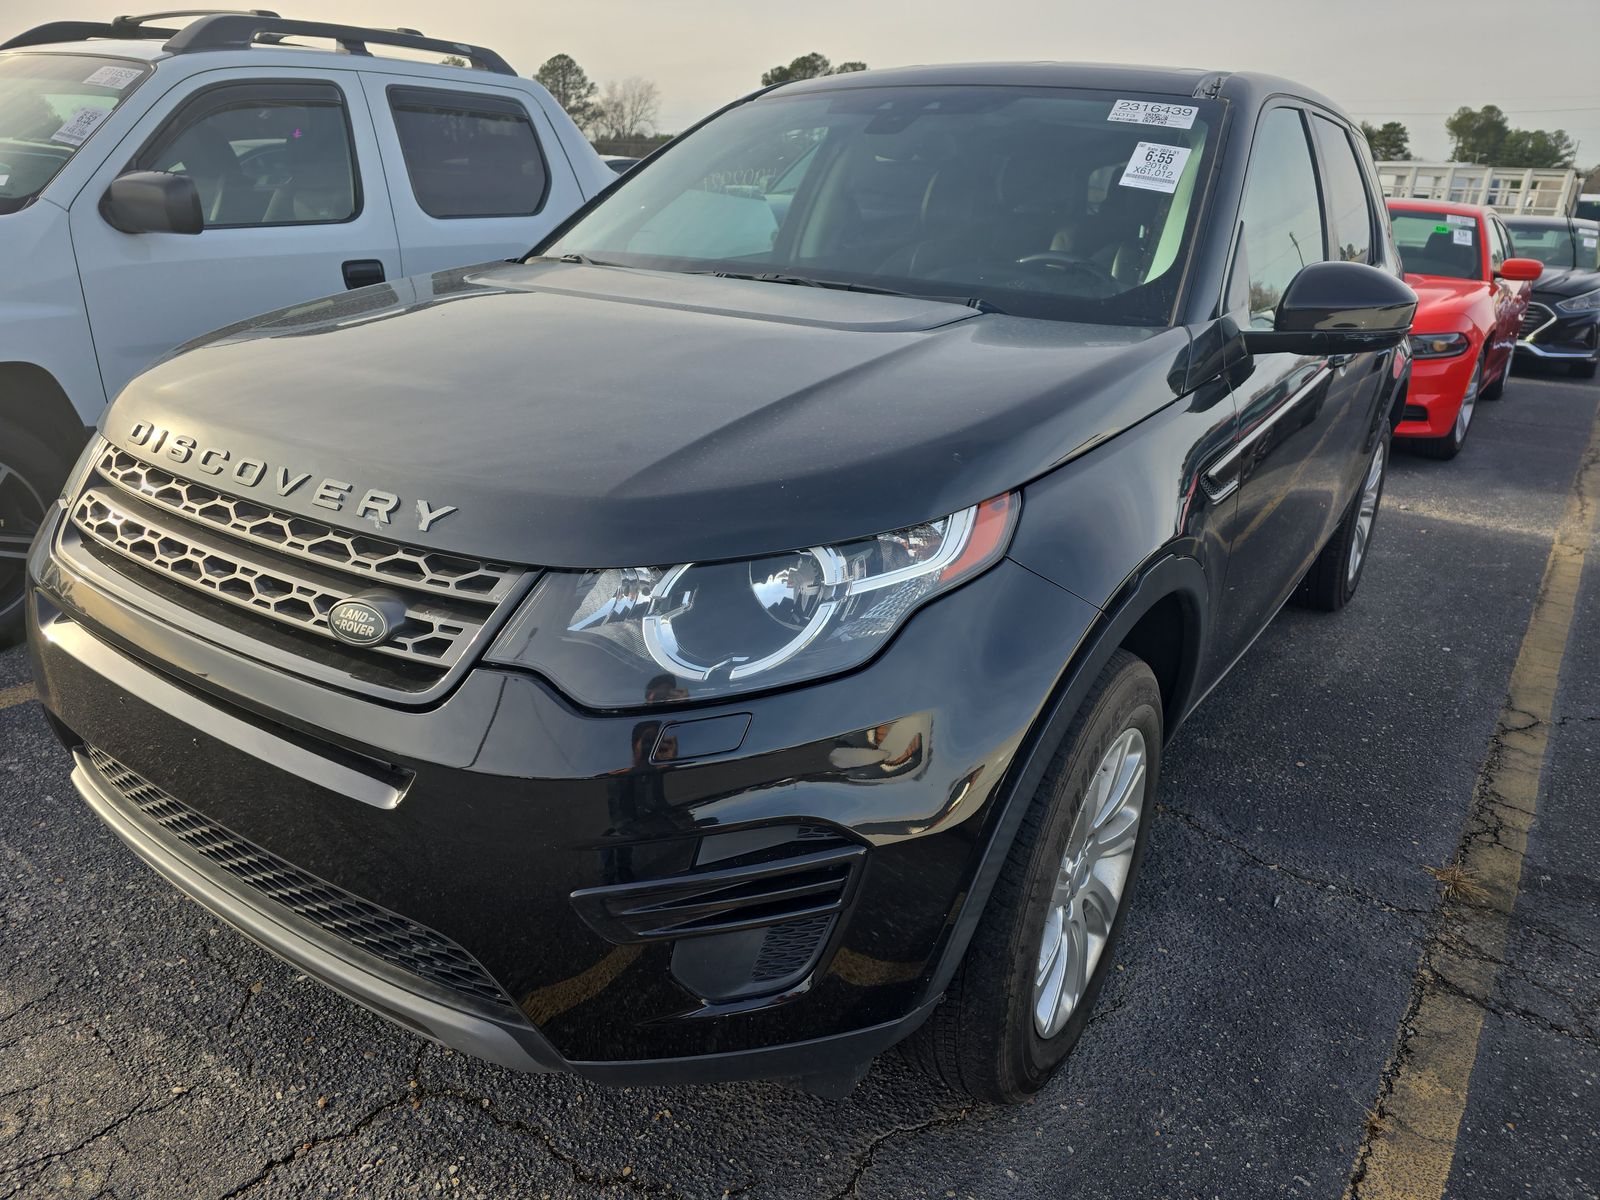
(1434, 396)
(491, 817)
(1550, 335)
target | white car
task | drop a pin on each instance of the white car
(158, 183)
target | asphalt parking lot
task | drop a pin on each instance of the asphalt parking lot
(1264, 1036)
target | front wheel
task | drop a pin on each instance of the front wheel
(1332, 581)
(30, 477)
(1045, 943)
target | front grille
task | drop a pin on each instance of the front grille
(1534, 320)
(396, 940)
(290, 570)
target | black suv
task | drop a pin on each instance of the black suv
(746, 630)
(1562, 324)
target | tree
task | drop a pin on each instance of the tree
(1477, 136)
(1537, 148)
(572, 88)
(1390, 142)
(1485, 136)
(628, 109)
(808, 66)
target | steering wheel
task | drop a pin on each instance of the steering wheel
(1060, 260)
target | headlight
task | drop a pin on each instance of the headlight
(1438, 345)
(643, 635)
(1588, 302)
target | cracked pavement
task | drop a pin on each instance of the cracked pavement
(147, 1051)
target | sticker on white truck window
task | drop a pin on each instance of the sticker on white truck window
(1463, 237)
(80, 125)
(1147, 112)
(1589, 243)
(5, 179)
(114, 77)
(1155, 167)
(1458, 219)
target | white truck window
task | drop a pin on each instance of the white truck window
(263, 154)
(469, 155)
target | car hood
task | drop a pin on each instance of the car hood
(1561, 282)
(581, 416)
(1438, 296)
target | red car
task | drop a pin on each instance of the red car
(1471, 295)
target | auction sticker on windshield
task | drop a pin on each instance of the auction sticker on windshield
(1148, 112)
(114, 77)
(80, 125)
(1155, 167)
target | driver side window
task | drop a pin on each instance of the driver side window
(1281, 214)
(262, 154)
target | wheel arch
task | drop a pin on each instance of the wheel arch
(31, 397)
(1160, 613)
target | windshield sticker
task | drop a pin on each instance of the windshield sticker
(114, 77)
(1458, 219)
(5, 179)
(80, 125)
(1155, 167)
(1145, 112)
(1588, 241)
(1463, 237)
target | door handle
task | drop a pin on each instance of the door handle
(362, 272)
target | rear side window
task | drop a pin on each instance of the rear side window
(1349, 207)
(262, 154)
(469, 155)
(1282, 214)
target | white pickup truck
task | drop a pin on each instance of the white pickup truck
(157, 183)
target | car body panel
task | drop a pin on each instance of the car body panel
(584, 462)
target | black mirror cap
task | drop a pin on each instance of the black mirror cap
(1338, 308)
(152, 202)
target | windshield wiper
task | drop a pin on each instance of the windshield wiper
(842, 285)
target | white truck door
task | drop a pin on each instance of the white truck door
(295, 205)
(476, 171)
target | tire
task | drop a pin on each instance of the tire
(1582, 370)
(1334, 577)
(1497, 389)
(31, 475)
(985, 1040)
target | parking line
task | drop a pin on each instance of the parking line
(12, 696)
(1410, 1142)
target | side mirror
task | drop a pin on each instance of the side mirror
(1520, 270)
(1337, 308)
(152, 202)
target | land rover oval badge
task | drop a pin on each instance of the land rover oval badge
(367, 620)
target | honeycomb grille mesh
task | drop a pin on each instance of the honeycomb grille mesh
(423, 570)
(789, 948)
(398, 941)
(279, 589)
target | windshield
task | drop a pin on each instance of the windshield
(1049, 202)
(50, 104)
(1554, 245)
(1438, 243)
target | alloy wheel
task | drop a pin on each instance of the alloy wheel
(21, 512)
(1366, 513)
(1090, 883)
(1469, 401)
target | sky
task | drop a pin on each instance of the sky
(1414, 61)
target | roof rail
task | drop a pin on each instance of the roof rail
(233, 31)
(132, 28)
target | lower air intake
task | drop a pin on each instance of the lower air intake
(343, 917)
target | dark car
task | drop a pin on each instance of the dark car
(746, 631)
(1562, 325)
